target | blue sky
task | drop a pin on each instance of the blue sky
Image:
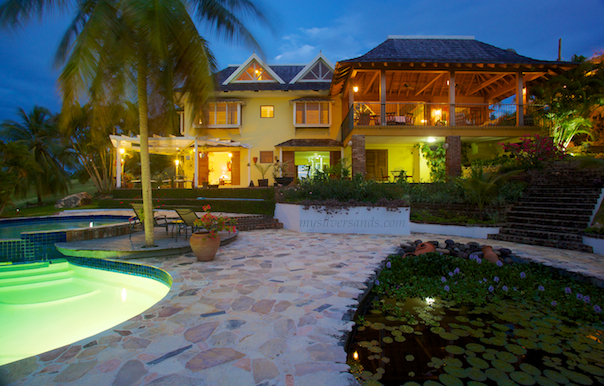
(341, 30)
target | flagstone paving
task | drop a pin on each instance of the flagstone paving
(272, 309)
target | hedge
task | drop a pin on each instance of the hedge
(266, 207)
(264, 193)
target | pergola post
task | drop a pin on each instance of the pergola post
(519, 100)
(118, 166)
(196, 163)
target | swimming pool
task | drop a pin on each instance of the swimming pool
(47, 305)
(32, 239)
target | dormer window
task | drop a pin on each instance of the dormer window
(254, 73)
(320, 72)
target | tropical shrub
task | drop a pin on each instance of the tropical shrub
(534, 152)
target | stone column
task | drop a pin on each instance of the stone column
(358, 155)
(453, 157)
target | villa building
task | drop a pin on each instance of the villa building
(373, 111)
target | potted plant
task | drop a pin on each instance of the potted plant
(263, 170)
(128, 177)
(280, 169)
(205, 243)
(364, 117)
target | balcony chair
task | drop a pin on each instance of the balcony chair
(187, 218)
(158, 221)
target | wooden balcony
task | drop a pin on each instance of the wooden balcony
(435, 119)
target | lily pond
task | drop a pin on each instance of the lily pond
(437, 320)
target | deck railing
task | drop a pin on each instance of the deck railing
(401, 114)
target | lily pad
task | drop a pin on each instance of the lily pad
(411, 384)
(498, 341)
(437, 361)
(530, 369)
(551, 348)
(529, 344)
(556, 376)
(470, 353)
(496, 375)
(515, 349)
(454, 349)
(448, 336)
(475, 383)
(387, 339)
(462, 319)
(437, 330)
(476, 374)
(450, 361)
(501, 365)
(385, 360)
(488, 356)
(375, 349)
(578, 377)
(365, 344)
(456, 371)
(507, 357)
(432, 383)
(549, 339)
(478, 363)
(523, 378)
(501, 327)
(400, 339)
(450, 380)
(477, 323)
(525, 333)
(406, 329)
(544, 381)
(409, 358)
(593, 370)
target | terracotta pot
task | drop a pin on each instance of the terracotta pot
(422, 248)
(489, 255)
(203, 246)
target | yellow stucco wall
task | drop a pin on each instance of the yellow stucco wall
(264, 133)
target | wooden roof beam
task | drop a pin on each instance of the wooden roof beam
(479, 87)
(429, 84)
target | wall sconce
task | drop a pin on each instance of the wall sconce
(431, 139)
(355, 88)
(230, 155)
(122, 150)
(350, 143)
(446, 146)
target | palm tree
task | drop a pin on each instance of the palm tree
(15, 165)
(38, 132)
(147, 48)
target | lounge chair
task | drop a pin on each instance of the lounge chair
(188, 217)
(158, 220)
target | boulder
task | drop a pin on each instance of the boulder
(74, 201)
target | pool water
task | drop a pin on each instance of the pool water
(512, 343)
(14, 230)
(46, 306)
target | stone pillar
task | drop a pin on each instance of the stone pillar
(453, 157)
(358, 155)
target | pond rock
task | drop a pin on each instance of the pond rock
(74, 201)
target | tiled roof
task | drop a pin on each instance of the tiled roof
(285, 72)
(448, 50)
(297, 142)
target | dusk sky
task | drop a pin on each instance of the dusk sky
(341, 30)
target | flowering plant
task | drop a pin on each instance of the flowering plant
(534, 152)
(214, 224)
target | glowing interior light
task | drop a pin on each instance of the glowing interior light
(230, 155)
(355, 355)
(429, 300)
(355, 88)
(176, 162)
(424, 121)
(124, 294)
(91, 224)
(122, 150)
(431, 139)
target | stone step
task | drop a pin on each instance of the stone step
(540, 234)
(526, 215)
(562, 194)
(542, 227)
(552, 209)
(554, 222)
(543, 242)
(251, 223)
(558, 204)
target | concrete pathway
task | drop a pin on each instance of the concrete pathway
(272, 309)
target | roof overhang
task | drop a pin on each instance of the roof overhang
(171, 145)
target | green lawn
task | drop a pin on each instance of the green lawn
(49, 202)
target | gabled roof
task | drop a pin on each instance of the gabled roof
(305, 70)
(438, 49)
(239, 70)
(284, 71)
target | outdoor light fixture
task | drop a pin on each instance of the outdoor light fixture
(429, 300)
(355, 88)
(122, 150)
(176, 162)
(355, 355)
(230, 155)
(431, 139)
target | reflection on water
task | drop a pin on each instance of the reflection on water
(510, 343)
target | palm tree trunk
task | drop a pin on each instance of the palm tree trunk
(144, 135)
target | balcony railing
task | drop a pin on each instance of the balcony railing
(401, 115)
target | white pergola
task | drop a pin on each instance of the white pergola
(172, 146)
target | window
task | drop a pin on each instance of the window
(266, 157)
(223, 114)
(312, 114)
(253, 73)
(267, 111)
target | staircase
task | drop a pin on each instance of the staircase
(555, 208)
(255, 222)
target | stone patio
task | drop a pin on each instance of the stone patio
(272, 309)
